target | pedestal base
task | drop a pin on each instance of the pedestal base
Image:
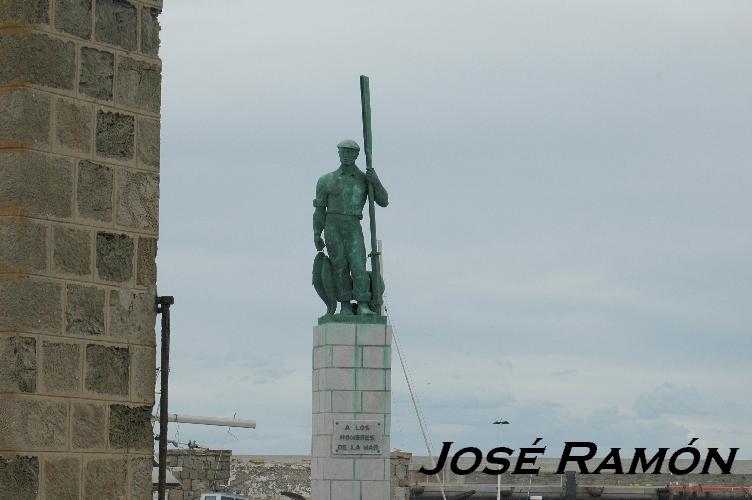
(350, 449)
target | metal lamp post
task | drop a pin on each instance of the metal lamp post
(498, 477)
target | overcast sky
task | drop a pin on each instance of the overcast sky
(567, 244)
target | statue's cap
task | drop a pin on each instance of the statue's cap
(348, 144)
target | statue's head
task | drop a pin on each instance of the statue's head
(348, 151)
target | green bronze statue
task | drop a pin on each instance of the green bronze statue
(338, 209)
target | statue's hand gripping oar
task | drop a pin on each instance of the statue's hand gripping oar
(365, 101)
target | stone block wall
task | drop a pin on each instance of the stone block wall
(198, 471)
(351, 381)
(79, 192)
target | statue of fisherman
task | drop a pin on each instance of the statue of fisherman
(340, 198)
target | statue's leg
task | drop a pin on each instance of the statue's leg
(335, 245)
(356, 256)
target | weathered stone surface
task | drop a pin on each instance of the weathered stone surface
(146, 264)
(38, 59)
(116, 23)
(150, 31)
(30, 424)
(30, 305)
(130, 428)
(138, 201)
(18, 364)
(147, 144)
(36, 184)
(107, 369)
(62, 477)
(141, 479)
(105, 478)
(73, 128)
(23, 245)
(115, 135)
(24, 117)
(114, 256)
(85, 310)
(61, 367)
(71, 250)
(97, 74)
(88, 426)
(73, 17)
(139, 84)
(19, 477)
(132, 315)
(143, 373)
(24, 11)
(94, 193)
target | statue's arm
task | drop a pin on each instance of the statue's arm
(319, 214)
(380, 194)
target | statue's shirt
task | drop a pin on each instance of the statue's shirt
(343, 191)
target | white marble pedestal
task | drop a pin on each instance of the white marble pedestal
(351, 412)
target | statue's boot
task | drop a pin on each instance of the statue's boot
(345, 309)
(363, 309)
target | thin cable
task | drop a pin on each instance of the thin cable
(413, 396)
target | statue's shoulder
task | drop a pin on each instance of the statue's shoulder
(324, 179)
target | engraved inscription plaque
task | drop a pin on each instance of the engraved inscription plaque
(357, 437)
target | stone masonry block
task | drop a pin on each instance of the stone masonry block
(88, 426)
(371, 334)
(138, 201)
(132, 316)
(130, 428)
(30, 424)
(338, 379)
(321, 489)
(340, 333)
(370, 469)
(18, 364)
(147, 143)
(71, 250)
(94, 193)
(146, 261)
(107, 369)
(97, 74)
(140, 478)
(325, 401)
(84, 314)
(114, 257)
(24, 117)
(37, 59)
(150, 31)
(371, 379)
(321, 445)
(346, 401)
(36, 184)
(143, 373)
(61, 367)
(377, 357)
(24, 11)
(105, 478)
(116, 23)
(73, 128)
(322, 357)
(62, 477)
(139, 84)
(344, 356)
(30, 305)
(341, 490)
(337, 468)
(115, 135)
(319, 333)
(374, 490)
(19, 477)
(73, 17)
(23, 245)
(376, 401)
